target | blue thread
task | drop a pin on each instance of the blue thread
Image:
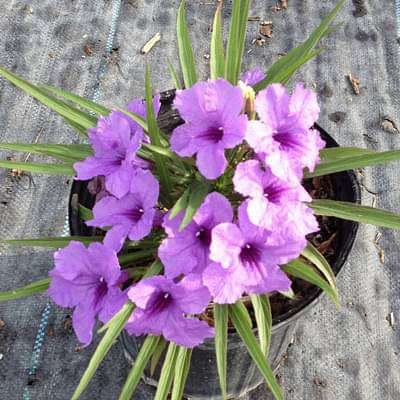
(46, 312)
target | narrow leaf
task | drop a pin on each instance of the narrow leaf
(198, 192)
(64, 152)
(104, 347)
(262, 312)
(167, 372)
(63, 109)
(353, 162)
(221, 312)
(28, 290)
(154, 134)
(242, 327)
(217, 56)
(85, 213)
(236, 40)
(148, 348)
(174, 75)
(180, 205)
(135, 256)
(185, 49)
(337, 153)
(356, 212)
(80, 101)
(303, 271)
(245, 312)
(181, 372)
(52, 242)
(312, 254)
(158, 352)
(300, 52)
(48, 169)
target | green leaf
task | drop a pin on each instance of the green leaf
(181, 372)
(81, 130)
(236, 40)
(148, 348)
(161, 151)
(135, 256)
(221, 312)
(284, 75)
(312, 254)
(80, 101)
(28, 290)
(49, 169)
(217, 56)
(155, 358)
(167, 372)
(174, 75)
(185, 49)
(300, 52)
(245, 312)
(104, 347)
(52, 242)
(198, 191)
(242, 327)
(337, 153)
(154, 133)
(63, 109)
(353, 162)
(64, 152)
(180, 205)
(85, 213)
(262, 312)
(356, 212)
(303, 271)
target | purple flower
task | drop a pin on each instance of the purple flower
(244, 261)
(213, 123)
(162, 306)
(131, 216)
(87, 279)
(115, 146)
(253, 76)
(270, 197)
(139, 107)
(188, 251)
(289, 119)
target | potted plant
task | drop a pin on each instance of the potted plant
(200, 218)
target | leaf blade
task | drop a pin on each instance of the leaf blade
(262, 313)
(165, 381)
(63, 152)
(221, 313)
(38, 168)
(28, 290)
(148, 348)
(356, 212)
(361, 161)
(104, 347)
(303, 271)
(239, 321)
(61, 108)
(217, 56)
(52, 242)
(185, 49)
(181, 372)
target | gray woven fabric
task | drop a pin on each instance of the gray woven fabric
(337, 355)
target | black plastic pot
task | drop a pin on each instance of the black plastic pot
(243, 376)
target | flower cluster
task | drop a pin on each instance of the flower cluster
(234, 244)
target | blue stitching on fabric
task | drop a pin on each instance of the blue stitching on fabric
(37, 347)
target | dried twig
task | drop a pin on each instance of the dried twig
(355, 83)
(150, 43)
